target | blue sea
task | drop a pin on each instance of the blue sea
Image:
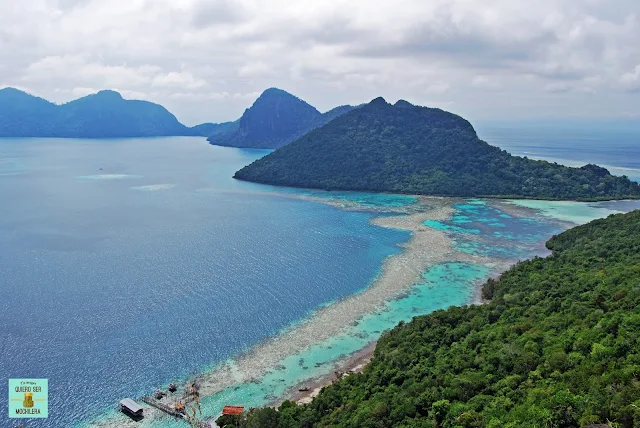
(129, 264)
(126, 264)
(614, 147)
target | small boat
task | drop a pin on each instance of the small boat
(304, 389)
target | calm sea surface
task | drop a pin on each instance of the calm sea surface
(615, 148)
(128, 263)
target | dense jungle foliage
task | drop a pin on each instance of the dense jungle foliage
(404, 148)
(557, 346)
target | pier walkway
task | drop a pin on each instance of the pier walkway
(160, 406)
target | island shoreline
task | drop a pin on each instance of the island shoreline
(426, 247)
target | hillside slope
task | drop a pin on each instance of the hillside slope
(409, 149)
(102, 115)
(557, 346)
(107, 114)
(24, 115)
(275, 119)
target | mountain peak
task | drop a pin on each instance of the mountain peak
(108, 93)
(275, 91)
(9, 90)
(274, 94)
(378, 101)
(275, 119)
(14, 92)
(13, 100)
(403, 103)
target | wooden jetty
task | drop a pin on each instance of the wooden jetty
(177, 409)
(163, 407)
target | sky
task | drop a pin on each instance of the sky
(208, 60)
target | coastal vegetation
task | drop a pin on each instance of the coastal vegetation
(557, 345)
(409, 149)
(102, 115)
(275, 119)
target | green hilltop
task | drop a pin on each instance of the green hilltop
(558, 345)
(409, 149)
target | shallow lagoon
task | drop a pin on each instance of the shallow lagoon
(481, 228)
(577, 212)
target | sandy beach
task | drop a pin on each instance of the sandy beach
(355, 363)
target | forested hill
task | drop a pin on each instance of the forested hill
(404, 148)
(102, 115)
(276, 118)
(557, 346)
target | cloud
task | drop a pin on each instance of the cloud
(201, 57)
(79, 70)
(251, 96)
(631, 80)
(175, 79)
(257, 68)
(438, 88)
(485, 82)
(80, 91)
(206, 13)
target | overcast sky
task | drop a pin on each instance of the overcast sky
(207, 60)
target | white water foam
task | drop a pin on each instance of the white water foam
(154, 187)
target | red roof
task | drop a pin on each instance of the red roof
(232, 410)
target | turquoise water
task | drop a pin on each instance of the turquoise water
(578, 212)
(368, 200)
(445, 285)
(447, 227)
(482, 229)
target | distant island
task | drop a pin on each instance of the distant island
(275, 119)
(102, 115)
(209, 129)
(410, 149)
(558, 345)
